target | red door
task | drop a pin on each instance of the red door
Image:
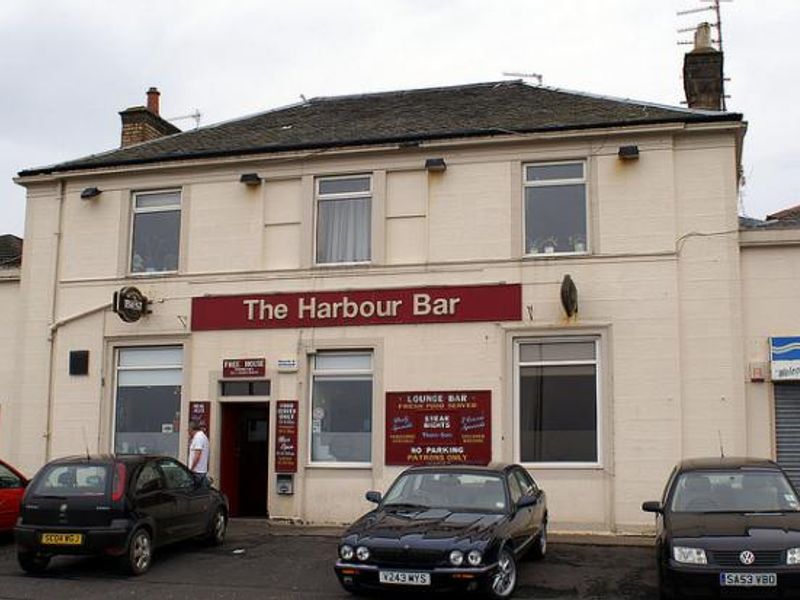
(12, 486)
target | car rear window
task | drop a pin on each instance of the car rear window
(72, 480)
(734, 491)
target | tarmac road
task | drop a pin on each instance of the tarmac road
(258, 561)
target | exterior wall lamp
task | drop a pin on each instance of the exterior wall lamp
(90, 192)
(628, 152)
(250, 179)
(435, 165)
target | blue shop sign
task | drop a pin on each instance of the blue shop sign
(785, 358)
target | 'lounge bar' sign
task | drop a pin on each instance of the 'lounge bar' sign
(435, 428)
(244, 367)
(500, 302)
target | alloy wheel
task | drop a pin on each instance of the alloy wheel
(505, 578)
(141, 552)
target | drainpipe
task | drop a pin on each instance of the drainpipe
(48, 434)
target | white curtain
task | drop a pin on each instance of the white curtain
(344, 230)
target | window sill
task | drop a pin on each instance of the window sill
(144, 274)
(330, 265)
(339, 465)
(538, 255)
(567, 466)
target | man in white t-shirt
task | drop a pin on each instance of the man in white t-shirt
(198, 450)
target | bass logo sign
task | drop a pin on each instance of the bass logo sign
(130, 304)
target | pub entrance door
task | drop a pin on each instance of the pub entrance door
(244, 457)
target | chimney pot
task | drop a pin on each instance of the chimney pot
(153, 100)
(702, 37)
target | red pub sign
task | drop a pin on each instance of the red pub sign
(437, 428)
(286, 436)
(244, 367)
(446, 304)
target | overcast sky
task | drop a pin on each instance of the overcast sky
(68, 67)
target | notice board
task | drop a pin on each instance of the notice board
(438, 428)
(286, 436)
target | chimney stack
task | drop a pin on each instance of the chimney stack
(142, 124)
(153, 96)
(702, 72)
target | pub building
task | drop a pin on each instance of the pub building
(345, 287)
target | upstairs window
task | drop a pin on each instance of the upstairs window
(156, 232)
(555, 208)
(344, 219)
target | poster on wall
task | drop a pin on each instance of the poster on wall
(200, 411)
(437, 428)
(286, 436)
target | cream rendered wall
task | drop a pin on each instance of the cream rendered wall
(667, 319)
(9, 317)
(771, 297)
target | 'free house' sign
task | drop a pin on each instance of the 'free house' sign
(500, 302)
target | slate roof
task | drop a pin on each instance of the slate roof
(792, 213)
(10, 251)
(788, 218)
(496, 108)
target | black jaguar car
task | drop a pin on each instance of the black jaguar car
(122, 506)
(728, 527)
(447, 528)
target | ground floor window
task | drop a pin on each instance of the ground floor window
(341, 407)
(148, 400)
(558, 396)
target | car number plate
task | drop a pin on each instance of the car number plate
(404, 578)
(748, 579)
(62, 539)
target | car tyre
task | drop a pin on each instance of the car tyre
(217, 527)
(139, 555)
(33, 562)
(539, 550)
(504, 580)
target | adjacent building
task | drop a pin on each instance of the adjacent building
(353, 284)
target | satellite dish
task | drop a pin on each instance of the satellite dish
(569, 296)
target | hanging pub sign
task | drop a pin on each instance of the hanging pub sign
(436, 428)
(785, 358)
(451, 304)
(286, 436)
(130, 304)
(244, 367)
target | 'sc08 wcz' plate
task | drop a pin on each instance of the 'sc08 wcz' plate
(748, 579)
(404, 578)
(62, 539)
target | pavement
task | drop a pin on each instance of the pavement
(271, 560)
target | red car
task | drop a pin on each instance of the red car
(12, 486)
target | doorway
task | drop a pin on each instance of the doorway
(244, 457)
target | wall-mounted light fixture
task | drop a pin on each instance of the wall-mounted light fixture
(90, 192)
(435, 165)
(628, 152)
(250, 179)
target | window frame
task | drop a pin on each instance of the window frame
(135, 211)
(554, 183)
(318, 196)
(598, 363)
(117, 351)
(312, 371)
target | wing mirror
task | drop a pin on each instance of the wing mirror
(527, 500)
(653, 506)
(374, 497)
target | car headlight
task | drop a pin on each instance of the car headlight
(362, 552)
(346, 552)
(474, 558)
(691, 556)
(456, 558)
(793, 556)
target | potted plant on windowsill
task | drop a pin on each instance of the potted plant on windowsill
(578, 243)
(548, 245)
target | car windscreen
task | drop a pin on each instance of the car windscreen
(734, 491)
(455, 491)
(71, 480)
